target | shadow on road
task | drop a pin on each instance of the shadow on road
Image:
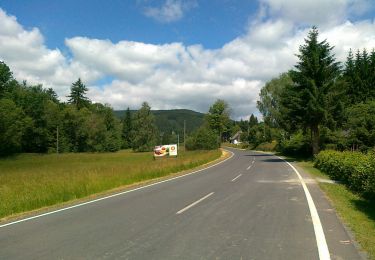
(272, 160)
(256, 155)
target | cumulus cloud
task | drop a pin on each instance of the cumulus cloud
(170, 11)
(314, 12)
(174, 75)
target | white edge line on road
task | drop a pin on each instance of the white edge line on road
(113, 195)
(318, 228)
(194, 203)
(239, 175)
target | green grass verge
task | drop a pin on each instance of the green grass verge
(357, 213)
(32, 181)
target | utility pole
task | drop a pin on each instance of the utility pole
(184, 134)
(57, 140)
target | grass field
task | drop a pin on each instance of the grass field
(357, 213)
(32, 181)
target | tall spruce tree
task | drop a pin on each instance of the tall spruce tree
(144, 129)
(77, 95)
(127, 126)
(305, 102)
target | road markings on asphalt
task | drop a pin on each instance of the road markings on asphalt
(239, 175)
(114, 195)
(318, 228)
(248, 168)
(194, 203)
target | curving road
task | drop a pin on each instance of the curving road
(252, 206)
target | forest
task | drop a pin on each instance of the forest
(319, 104)
(34, 120)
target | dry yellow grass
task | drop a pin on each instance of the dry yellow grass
(31, 181)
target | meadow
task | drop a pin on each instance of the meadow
(33, 181)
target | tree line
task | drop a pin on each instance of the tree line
(34, 120)
(322, 103)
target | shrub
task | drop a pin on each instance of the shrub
(297, 144)
(355, 169)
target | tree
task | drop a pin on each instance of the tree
(12, 126)
(360, 125)
(127, 126)
(144, 130)
(5, 78)
(253, 121)
(305, 101)
(218, 118)
(77, 95)
(270, 95)
(202, 139)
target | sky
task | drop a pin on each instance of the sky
(172, 53)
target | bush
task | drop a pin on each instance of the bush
(355, 169)
(203, 139)
(297, 145)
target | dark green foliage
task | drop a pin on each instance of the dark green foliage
(360, 126)
(218, 119)
(253, 121)
(171, 122)
(12, 126)
(77, 95)
(297, 144)
(6, 78)
(203, 139)
(32, 119)
(355, 169)
(127, 128)
(305, 102)
(359, 74)
(144, 131)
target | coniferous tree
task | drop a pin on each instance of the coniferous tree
(127, 129)
(77, 95)
(305, 102)
(144, 130)
(253, 121)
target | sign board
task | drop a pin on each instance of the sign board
(165, 150)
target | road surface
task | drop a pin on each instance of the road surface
(252, 206)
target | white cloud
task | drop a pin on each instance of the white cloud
(173, 75)
(314, 12)
(170, 11)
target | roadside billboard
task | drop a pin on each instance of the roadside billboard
(165, 150)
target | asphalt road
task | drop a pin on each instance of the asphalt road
(252, 206)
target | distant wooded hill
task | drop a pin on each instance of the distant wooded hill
(169, 121)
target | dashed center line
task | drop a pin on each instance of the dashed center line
(194, 203)
(248, 168)
(239, 175)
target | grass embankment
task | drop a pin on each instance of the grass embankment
(31, 181)
(357, 213)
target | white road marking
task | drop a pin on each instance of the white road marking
(318, 228)
(239, 175)
(248, 168)
(113, 195)
(194, 203)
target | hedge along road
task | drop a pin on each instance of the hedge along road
(252, 206)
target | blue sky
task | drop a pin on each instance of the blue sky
(212, 23)
(172, 53)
